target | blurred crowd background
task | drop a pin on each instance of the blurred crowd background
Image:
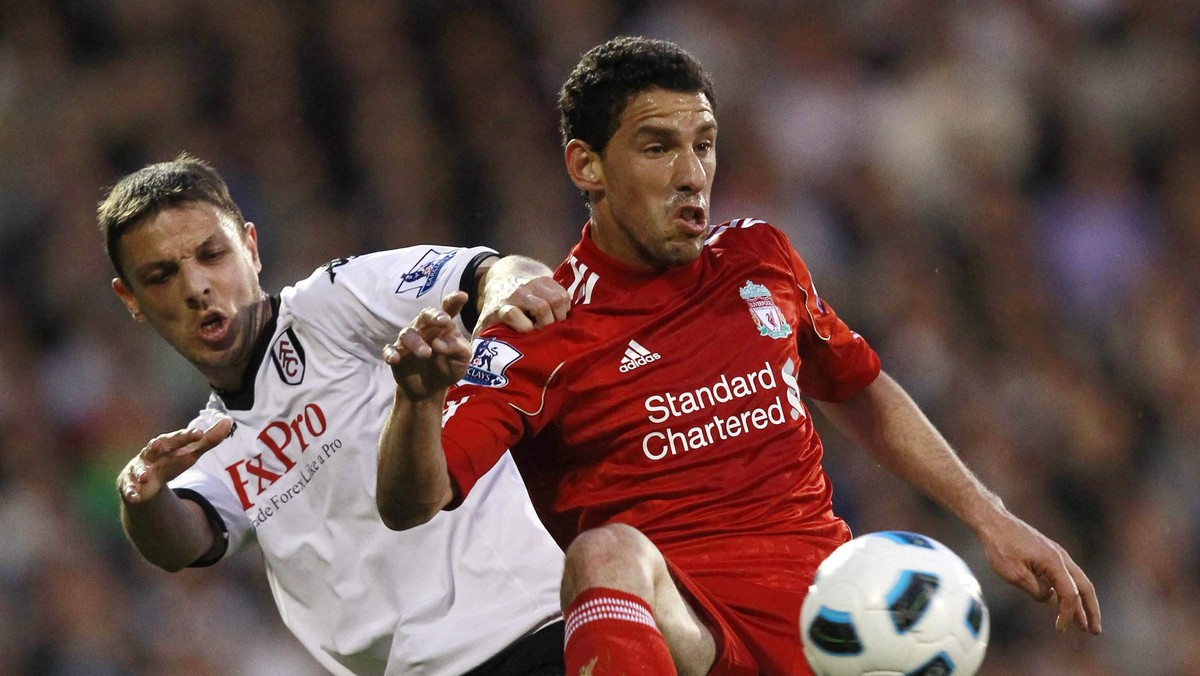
(1003, 196)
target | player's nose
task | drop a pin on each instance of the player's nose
(197, 285)
(691, 174)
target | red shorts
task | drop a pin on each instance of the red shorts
(753, 611)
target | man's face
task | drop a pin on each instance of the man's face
(656, 178)
(193, 275)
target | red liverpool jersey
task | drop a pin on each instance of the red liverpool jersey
(671, 401)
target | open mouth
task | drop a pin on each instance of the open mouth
(693, 218)
(213, 327)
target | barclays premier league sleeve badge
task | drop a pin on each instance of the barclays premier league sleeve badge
(766, 314)
(424, 274)
(491, 358)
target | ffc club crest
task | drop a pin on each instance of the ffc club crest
(766, 314)
(287, 354)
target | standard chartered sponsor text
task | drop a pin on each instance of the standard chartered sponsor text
(670, 405)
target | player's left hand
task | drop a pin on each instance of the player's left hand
(166, 457)
(534, 304)
(1043, 569)
(431, 354)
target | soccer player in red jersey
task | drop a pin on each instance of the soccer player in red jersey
(661, 428)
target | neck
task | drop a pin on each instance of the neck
(230, 378)
(605, 235)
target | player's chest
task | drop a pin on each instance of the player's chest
(301, 445)
(726, 348)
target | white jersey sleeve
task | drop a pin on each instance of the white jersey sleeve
(366, 300)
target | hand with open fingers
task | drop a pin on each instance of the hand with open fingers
(534, 304)
(431, 354)
(166, 457)
(1043, 569)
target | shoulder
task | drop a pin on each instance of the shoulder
(415, 273)
(413, 269)
(499, 353)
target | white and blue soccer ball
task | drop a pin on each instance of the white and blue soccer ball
(894, 603)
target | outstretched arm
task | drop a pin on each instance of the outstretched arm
(429, 356)
(168, 531)
(884, 419)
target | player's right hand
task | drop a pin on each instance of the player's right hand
(166, 457)
(535, 304)
(431, 354)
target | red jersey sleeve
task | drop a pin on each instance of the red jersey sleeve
(504, 397)
(835, 362)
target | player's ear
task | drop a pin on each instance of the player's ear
(131, 304)
(250, 237)
(584, 166)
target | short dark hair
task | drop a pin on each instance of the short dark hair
(155, 188)
(609, 75)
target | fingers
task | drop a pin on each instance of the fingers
(166, 444)
(1064, 602)
(1070, 608)
(453, 303)
(164, 456)
(136, 482)
(1091, 605)
(558, 299)
(1089, 621)
(409, 342)
(1067, 595)
(1041, 590)
(215, 434)
(515, 318)
(129, 482)
(537, 303)
(1045, 571)
(198, 441)
(1074, 594)
(431, 354)
(1052, 584)
(432, 329)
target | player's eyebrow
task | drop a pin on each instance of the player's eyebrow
(145, 270)
(172, 263)
(662, 132)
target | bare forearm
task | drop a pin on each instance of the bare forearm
(412, 485)
(168, 531)
(885, 421)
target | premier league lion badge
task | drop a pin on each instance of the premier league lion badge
(489, 361)
(765, 312)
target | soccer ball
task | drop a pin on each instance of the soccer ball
(894, 603)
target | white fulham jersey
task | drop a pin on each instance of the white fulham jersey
(298, 475)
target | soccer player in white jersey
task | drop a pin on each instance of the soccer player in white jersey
(285, 452)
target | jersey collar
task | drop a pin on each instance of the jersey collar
(242, 398)
(626, 277)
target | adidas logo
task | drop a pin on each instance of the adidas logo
(635, 356)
